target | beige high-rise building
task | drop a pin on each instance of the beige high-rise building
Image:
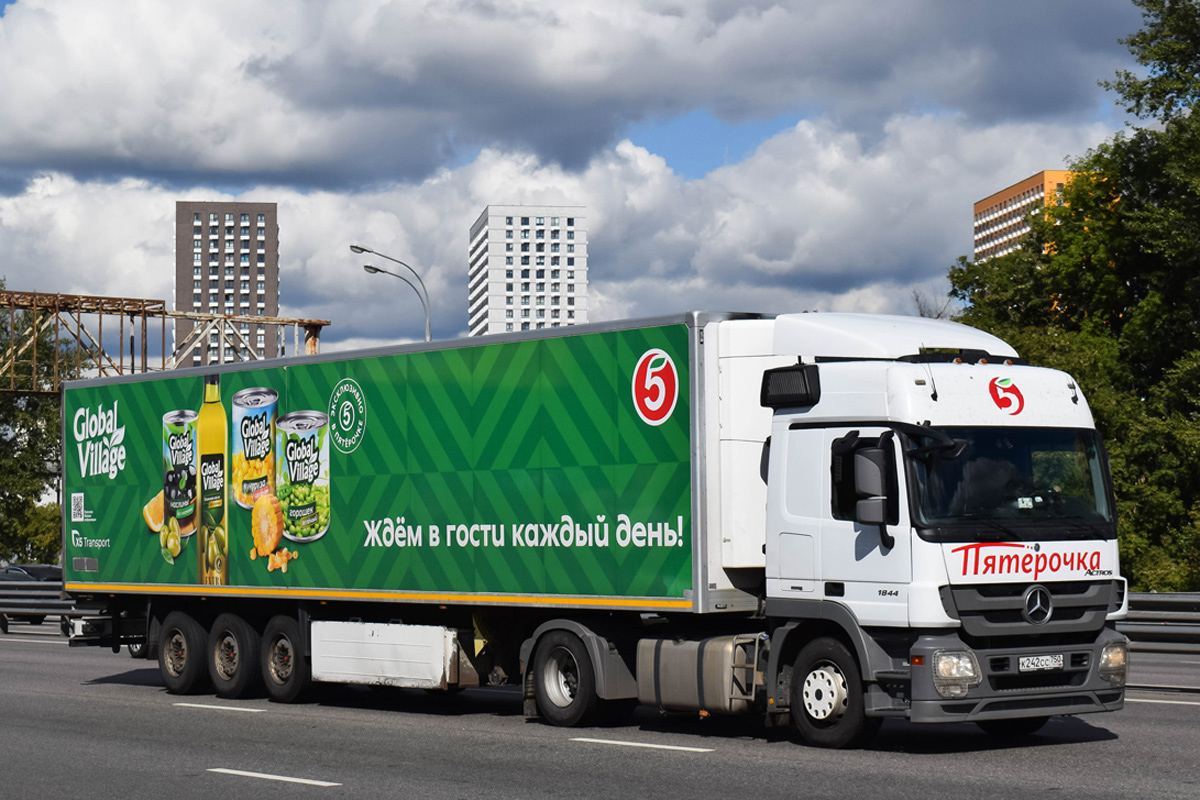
(1001, 219)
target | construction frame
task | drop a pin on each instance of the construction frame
(78, 324)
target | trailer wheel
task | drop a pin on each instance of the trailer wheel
(564, 682)
(827, 705)
(181, 654)
(233, 646)
(285, 669)
(1012, 728)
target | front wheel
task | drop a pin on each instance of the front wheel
(285, 669)
(827, 704)
(564, 682)
(181, 654)
(233, 646)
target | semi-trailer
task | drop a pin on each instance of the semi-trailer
(823, 519)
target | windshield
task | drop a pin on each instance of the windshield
(1003, 477)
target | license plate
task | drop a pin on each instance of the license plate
(1037, 663)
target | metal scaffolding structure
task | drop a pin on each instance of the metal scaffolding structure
(77, 324)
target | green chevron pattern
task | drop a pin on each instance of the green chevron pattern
(470, 461)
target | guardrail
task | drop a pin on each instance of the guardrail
(32, 601)
(1163, 623)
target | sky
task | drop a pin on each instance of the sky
(738, 156)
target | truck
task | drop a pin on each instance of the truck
(823, 519)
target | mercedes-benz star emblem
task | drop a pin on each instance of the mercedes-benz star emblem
(1038, 605)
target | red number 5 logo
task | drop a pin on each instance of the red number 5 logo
(655, 387)
(1006, 395)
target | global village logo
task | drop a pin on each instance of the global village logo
(98, 440)
(1006, 396)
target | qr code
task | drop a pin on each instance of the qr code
(78, 513)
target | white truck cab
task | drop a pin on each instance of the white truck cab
(946, 509)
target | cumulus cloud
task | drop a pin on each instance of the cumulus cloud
(392, 124)
(358, 92)
(816, 218)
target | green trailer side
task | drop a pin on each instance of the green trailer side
(515, 471)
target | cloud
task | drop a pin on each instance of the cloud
(817, 217)
(363, 92)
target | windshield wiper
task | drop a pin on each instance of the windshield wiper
(1003, 531)
(1084, 528)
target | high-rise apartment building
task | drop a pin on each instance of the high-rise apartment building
(527, 269)
(227, 262)
(1001, 219)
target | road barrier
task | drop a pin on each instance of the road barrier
(33, 601)
(1163, 623)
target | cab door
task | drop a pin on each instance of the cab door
(872, 576)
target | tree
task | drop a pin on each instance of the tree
(1107, 288)
(30, 440)
(1169, 46)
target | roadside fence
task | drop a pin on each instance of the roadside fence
(1159, 623)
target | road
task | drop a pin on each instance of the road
(90, 723)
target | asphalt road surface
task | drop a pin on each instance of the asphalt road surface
(88, 723)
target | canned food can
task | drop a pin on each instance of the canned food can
(302, 477)
(254, 412)
(179, 469)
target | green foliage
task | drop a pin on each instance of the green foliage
(1169, 47)
(1108, 287)
(42, 536)
(30, 438)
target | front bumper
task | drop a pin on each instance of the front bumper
(1004, 692)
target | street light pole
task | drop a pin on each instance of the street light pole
(422, 292)
(371, 270)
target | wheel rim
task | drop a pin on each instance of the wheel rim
(175, 653)
(225, 657)
(561, 677)
(825, 693)
(280, 660)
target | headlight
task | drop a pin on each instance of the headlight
(1113, 661)
(955, 671)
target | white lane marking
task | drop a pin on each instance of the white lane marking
(643, 744)
(221, 708)
(1163, 702)
(28, 640)
(1155, 687)
(266, 777)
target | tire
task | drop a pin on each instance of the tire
(827, 704)
(138, 650)
(1012, 728)
(564, 682)
(284, 667)
(181, 654)
(233, 656)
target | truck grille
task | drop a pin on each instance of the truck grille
(997, 609)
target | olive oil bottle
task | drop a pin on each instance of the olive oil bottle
(212, 435)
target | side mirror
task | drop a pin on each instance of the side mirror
(874, 478)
